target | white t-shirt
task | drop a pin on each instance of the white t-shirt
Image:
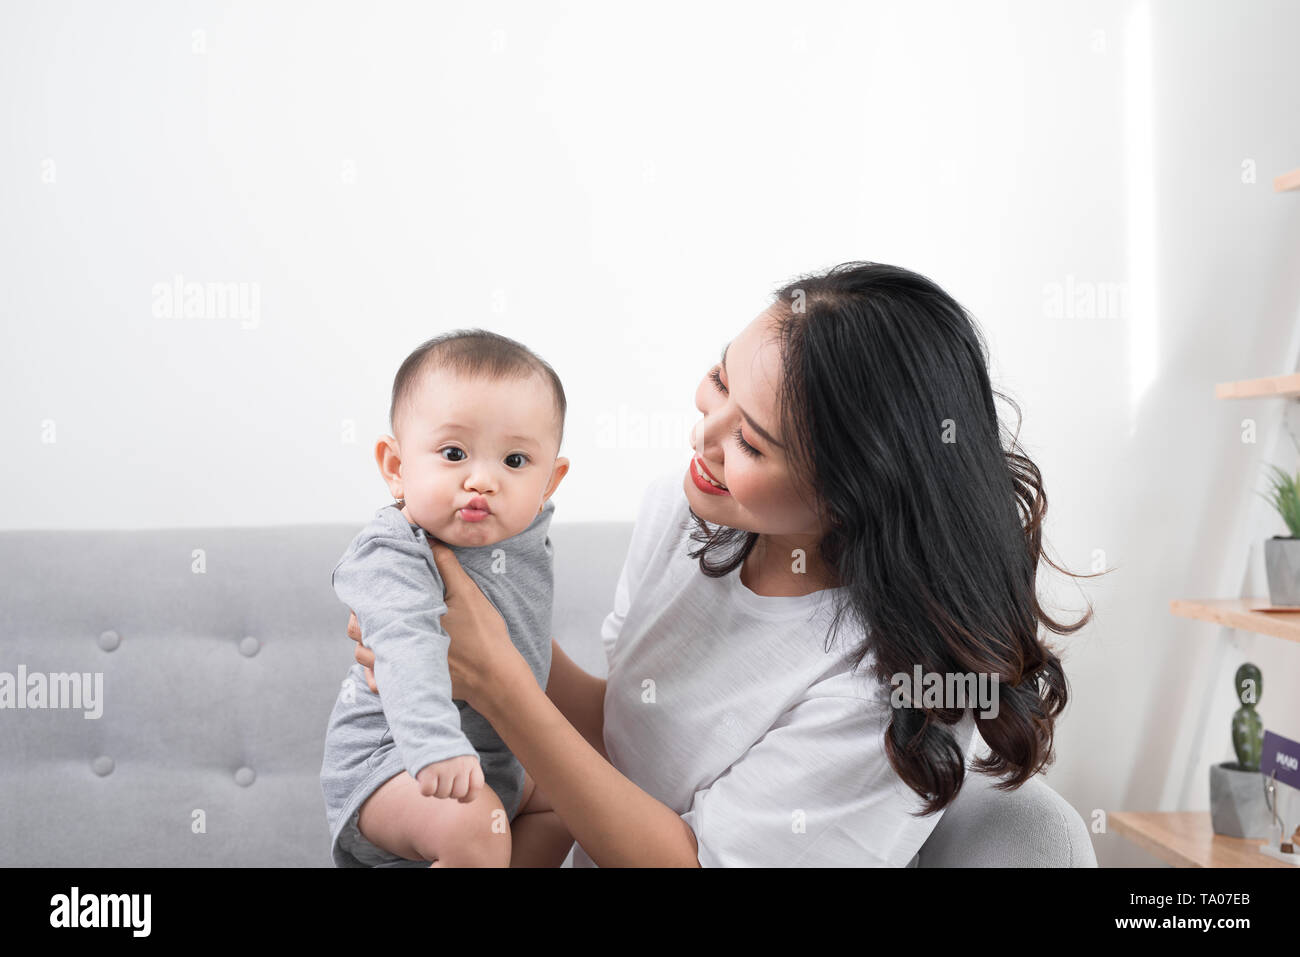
(724, 705)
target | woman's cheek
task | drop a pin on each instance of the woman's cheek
(768, 500)
(746, 488)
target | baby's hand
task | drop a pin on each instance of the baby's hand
(460, 777)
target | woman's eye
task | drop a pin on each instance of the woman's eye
(454, 449)
(517, 455)
(745, 447)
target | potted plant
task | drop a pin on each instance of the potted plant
(1238, 807)
(1282, 552)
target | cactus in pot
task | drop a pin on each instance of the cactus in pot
(1247, 728)
(1237, 805)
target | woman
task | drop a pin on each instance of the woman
(856, 517)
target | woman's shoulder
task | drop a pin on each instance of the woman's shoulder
(657, 531)
(662, 508)
(665, 493)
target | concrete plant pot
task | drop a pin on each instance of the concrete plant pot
(1237, 804)
(1282, 559)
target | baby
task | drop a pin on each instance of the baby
(477, 422)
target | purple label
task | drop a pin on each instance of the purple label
(1280, 756)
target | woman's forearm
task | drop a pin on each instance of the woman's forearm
(617, 823)
(579, 696)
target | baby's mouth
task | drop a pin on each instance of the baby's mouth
(477, 509)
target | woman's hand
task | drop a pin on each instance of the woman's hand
(480, 649)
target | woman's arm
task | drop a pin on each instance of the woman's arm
(617, 823)
(579, 696)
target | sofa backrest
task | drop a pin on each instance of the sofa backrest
(220, 653)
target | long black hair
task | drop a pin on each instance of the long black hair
(934, 526)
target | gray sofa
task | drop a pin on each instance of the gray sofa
(221, 652)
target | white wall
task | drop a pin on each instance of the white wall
(621, 191)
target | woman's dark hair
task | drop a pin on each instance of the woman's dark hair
(935, 528)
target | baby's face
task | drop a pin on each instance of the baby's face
(468, 442)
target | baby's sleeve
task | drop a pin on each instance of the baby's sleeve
(397, 598)
(817, 790)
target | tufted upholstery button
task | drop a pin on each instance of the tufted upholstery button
(249, 647)
(102, 765)
(109, 640)
(244, 777)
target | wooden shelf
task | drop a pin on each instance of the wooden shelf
(1287, 181)
(1187, 839)
(1285, 386)
(1243, 613)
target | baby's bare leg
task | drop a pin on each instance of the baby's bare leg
(401, 820)
(540, 838)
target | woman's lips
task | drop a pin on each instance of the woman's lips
(698, 476)
(705, 469)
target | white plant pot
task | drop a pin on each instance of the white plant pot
(1282, 560)
(1237, 804)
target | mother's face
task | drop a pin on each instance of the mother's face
(740, 444)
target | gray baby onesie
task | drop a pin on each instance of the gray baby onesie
(387, 576)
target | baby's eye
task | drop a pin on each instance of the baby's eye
(453, 448)
(517, 455)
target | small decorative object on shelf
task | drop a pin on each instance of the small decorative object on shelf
(1238, 805)
(1281, 772)
(1247, 727)
(1282, 552)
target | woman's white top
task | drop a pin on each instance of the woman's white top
(724, 705)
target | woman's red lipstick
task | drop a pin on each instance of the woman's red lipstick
(698, 472)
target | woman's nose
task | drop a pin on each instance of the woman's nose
(706, 435)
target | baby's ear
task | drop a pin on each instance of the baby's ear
(557, 474)
(388, 457)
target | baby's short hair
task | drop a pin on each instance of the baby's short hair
(472, 352)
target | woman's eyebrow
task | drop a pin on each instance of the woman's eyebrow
(762, 432)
